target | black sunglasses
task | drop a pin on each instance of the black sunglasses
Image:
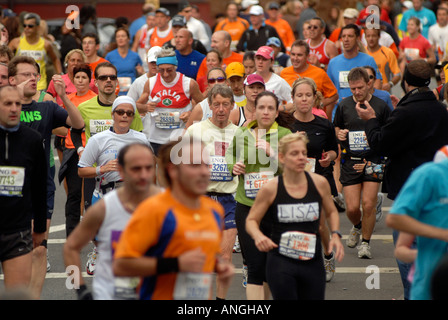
(219, 80)
(106, 76)
(29, 25)
(313, 27)
(122, 112)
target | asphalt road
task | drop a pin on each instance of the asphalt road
(355, 279)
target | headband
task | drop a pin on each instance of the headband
(123, 99)
(167, 60)
(413, 80)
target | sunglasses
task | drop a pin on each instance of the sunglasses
(29, 25)
(107, 76)
(213, 80)
(122, 112)
(313, 27)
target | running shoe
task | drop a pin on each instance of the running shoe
(379, 204)
(91, 262)
(339, 202)
(244, 276)
(236, 246)
(330, 267)
(364, 251)
(353, 237)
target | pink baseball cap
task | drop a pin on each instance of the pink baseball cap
(253, 78)
(266, 52)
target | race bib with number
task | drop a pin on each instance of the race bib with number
(343, 79)
(11, 181)
(358, 141)
(126, 288)
(298, 245)
(97, 126)
(411, 53)
(254, 181)
(218, 169)
(168, 120)
(192, 286)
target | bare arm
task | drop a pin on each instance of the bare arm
(264, 199)
(84, 232)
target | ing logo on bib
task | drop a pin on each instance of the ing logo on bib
(167, 102)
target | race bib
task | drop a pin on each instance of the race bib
(192, 286)
(11, 181)
(411, 53)
(97, 126)
(126, 288)
(168, 120)
(298, 245)
(218, 169)
(343, 79)
(254, 181)
(358, 141)
(310, 165)
(125, 83)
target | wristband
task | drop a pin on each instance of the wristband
(337, 233)
(80, 149)
(98, 170)
(167, 265)
(391, 84)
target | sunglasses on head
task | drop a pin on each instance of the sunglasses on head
(122, 112)
(28, 25)
(106, 76)
(219, 80)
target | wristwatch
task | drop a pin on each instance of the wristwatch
(337, 232)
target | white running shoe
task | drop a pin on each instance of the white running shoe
(353, 237)
(364, 251)
(91, 262)
(330, 267)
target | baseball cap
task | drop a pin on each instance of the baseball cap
(178, 20)
(266, 52)
(253, 78)
(256, 10)
(273, 5)
(350, 13)
(183, 5)
(441, 65)
(164, 11)
(152, 54)
(407, 4)
(235, 69)
(274, 41)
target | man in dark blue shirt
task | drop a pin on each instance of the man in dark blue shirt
(189, 59)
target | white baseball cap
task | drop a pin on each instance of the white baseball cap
(256, 10)
(152, 54)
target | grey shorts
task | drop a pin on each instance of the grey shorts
(15, 244)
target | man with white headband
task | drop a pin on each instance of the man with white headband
(167, 98)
